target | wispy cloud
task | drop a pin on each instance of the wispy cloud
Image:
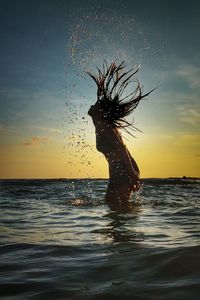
(49, 129)
(189, 113)
(191, 74)
(34, 141)
(188, 137)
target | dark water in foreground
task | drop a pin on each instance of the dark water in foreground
(60, 241)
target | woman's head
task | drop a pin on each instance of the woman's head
(112, 103)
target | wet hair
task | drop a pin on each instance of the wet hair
(112, 81)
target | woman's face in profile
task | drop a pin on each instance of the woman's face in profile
(95, 110)
(90, 111)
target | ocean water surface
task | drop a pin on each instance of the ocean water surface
(59, 240)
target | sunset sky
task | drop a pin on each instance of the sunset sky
(46, 47)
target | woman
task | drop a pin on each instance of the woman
(108, 117)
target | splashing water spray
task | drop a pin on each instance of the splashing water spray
(94, 35)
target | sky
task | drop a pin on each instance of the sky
(45, 93)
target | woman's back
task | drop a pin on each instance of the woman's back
(110, 143)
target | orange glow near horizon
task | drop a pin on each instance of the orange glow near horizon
(161, 156)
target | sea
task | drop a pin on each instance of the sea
(59, 240)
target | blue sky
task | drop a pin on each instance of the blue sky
(40, 73)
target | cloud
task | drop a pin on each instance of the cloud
(50, 129)
(191, 74)
(189, 114)
(189, 137)
(34, 141)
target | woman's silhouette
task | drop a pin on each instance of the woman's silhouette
(108, 116)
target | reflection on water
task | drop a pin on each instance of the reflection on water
(59, 240)
(121, 227)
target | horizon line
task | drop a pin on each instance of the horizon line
(95, 178)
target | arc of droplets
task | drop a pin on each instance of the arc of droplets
(93, 37)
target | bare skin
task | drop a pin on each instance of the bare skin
(123, 170)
